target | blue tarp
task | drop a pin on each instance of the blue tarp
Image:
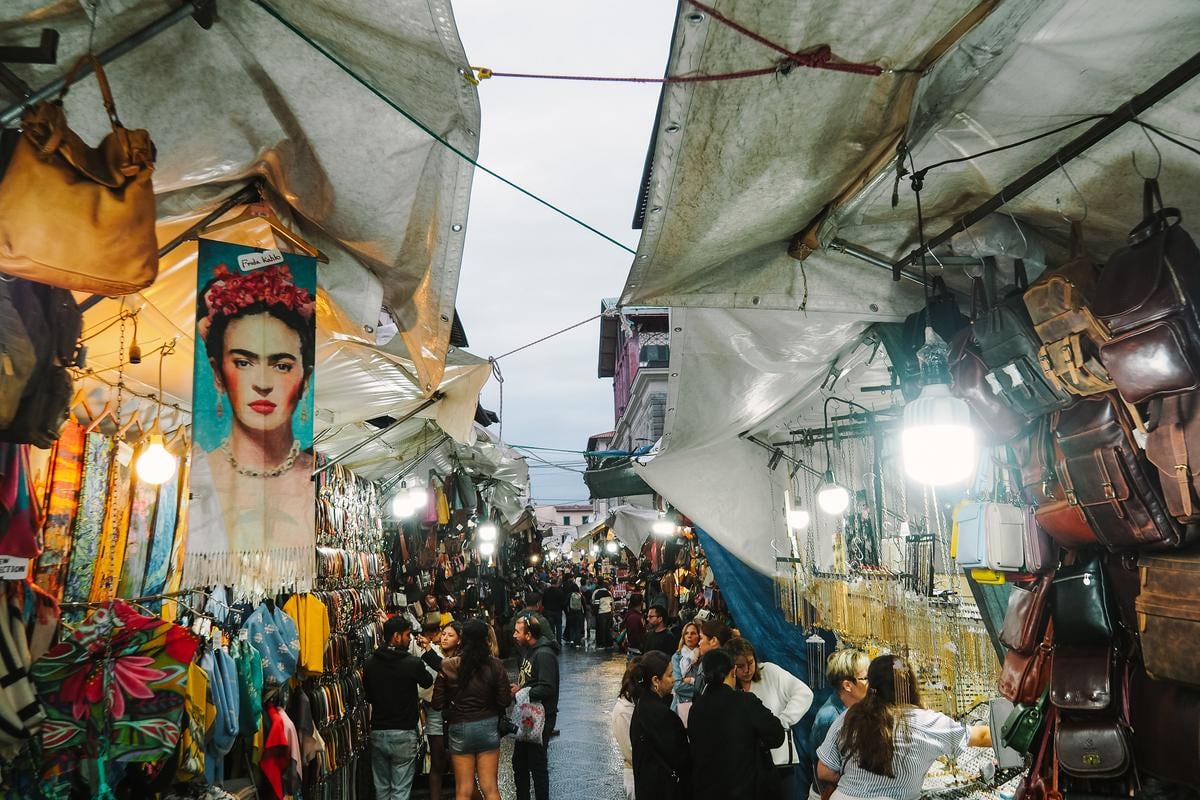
(750, 596)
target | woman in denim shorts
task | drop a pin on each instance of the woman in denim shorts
(447, 646)
(472, 692)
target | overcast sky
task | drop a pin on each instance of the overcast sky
(527, 271)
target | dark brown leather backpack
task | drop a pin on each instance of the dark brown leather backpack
(1147, 297)
(1103, 471)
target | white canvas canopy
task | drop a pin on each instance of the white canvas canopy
(252, 99)
(743, 171)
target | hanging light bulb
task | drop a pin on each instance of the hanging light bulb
(611, 546)
(832, 497)
(937, 440)
(535, 558)
(797, 519)
(487, 532)
(401, 503)
(418, 498)
(486, 549)
(595, 550)
(663, 526)
(155, 465)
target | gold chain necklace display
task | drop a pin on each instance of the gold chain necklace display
(274, 472)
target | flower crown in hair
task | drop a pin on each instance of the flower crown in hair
(272, 286)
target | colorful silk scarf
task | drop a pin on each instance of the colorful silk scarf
(132, 571)
(20, 513)
(66, 473)
(162, 538)
(179, 545)
(113, 536)
(89, 517)
(273, 634)
(139, 719)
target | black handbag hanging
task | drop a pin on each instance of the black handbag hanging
(1080, 604)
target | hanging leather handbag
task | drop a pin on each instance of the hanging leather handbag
(1062, 521)
(1009, 346)
(1168, 615)
(1173, 446)
(1147, 297)
(1081, 678)
(1093, 746)
(968, 382)
(1071, 334)
(1023, 677)
(1027, 615)
(970, 542)
(1080, 604)
(1103, 470)
(1041, 554)
(1023, 725)
(77, 217)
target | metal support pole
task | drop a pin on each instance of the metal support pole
(1064, 155)
(790, 459)
(379, 434)
(198, 8)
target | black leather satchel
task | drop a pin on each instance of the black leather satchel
(1010, 347)
(1080, 605)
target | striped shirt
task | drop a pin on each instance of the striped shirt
(921, 738)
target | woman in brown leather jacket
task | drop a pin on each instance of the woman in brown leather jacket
(472, 691)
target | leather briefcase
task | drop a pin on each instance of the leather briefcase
(1026, 617)
(1093, 746)
(1081, 678)
(968, 382)
(1071, 334)
(1104, 472)
(1023, 678)
(1009, 347)
(1062, 521)
(1147, 297)
(1173, 446)
(1168, 615)
(1080, 604)
(76, 217)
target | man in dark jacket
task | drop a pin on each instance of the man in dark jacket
(539, 672)
(658, 637)
(554, 603)
(391, 678)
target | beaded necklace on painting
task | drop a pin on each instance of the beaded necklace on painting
(274, 472)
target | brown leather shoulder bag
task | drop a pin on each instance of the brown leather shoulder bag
(1147, 296)
(1023, 678)
(1027, 615)
(74, 216)
(1105, 473)
(1173, 446)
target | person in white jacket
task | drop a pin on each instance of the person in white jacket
(784, 695)
(622, 717)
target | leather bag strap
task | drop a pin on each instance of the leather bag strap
(1076, 240)
(1182, 469)
(105, 91)
(1022, 280)
(1150, 193)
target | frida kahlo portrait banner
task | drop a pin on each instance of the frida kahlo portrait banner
(253, 508)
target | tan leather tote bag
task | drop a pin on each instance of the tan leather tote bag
(74, 216)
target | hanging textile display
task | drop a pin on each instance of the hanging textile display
(252, 518)
(20, 516)
(66, 473)
(114, 689)
(89, 517)
(110, 553)
(137, 542)
(162, 538)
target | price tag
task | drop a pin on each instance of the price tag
(13, 568)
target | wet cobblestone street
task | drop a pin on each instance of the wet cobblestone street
(584, 763)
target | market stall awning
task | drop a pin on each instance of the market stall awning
(614, 477)
(746, 234)
(631, 525)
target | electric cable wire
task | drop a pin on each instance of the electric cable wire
(267, 7)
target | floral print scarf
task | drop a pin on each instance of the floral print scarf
(138, 717)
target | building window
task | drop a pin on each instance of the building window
(566, 520)
(585, 519)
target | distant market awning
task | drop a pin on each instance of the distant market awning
(614, 477)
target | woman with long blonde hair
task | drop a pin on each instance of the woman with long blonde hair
(685, 667)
